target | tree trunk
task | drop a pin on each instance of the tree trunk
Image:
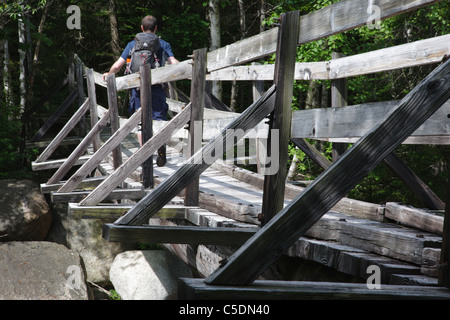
(115, 40)
(22, 63)
(214, 18)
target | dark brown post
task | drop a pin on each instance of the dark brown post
(444, 270)
(81, 96)
(338, 99)
(147, 122)
(114, 116)
(198, 85)
(274, 185)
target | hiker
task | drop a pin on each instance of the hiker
(163, 54)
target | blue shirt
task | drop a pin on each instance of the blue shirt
(165, 48)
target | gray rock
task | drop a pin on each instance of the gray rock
(41, 271)
(147, 275)
(85, 237)
(24, 212)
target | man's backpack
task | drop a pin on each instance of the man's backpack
(144, 52)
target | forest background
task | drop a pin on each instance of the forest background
(36, 47)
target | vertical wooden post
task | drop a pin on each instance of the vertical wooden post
(338, 99)
(93, 105)
(114, 116)
(444, 270)
(147, 122)
(81, 97)
(257, 91)
(198, 85)
(274, 185)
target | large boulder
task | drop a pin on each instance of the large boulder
(41, 271)
(24, 211)
(147, 275)
(85, 237)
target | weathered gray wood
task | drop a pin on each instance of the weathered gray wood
(80, 89)
(90, 78)
(137, 158)
(64, 132)
(355, 121)
(147, 122)
(110, 212)
(414, 183)
(304, 211)
(80, 150)
(86, 184)
(101, 153)
(114, 116)
(179, 234)
(55, 164)
(198, 85)
(77, 196)
(274, 185)
(55, 116)
(193, 167)
(260, 290)
(413, 217)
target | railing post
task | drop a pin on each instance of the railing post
(81, 96)
(338, 99)
(198, 85)
(114, 116)
(93, 105)
(274, 185)
(147, 122)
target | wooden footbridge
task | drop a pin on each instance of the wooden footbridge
(232, 225)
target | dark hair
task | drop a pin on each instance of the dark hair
(149, 23)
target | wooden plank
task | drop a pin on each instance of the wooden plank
(77, 196)
(64, 132)
(137, 159)
(80, 150)
(196, 165)
(101, 153)
(110, 212)
(356, 121)
(281, 119)
(413, 217)
(114, 116)
(146, 122)
(55, 164)
(197, 95)
(377, 237)
(304, 211)
(86, 184)
(179, 234)
(197, 289)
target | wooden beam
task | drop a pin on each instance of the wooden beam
(180, 234)
(135, 160)
(147, 122)
(77, 196)
(247, 263)
(101, 153)
(110, 212)
(90, 78)
(55, 164)
(197, 289)
(114, 116)
(80, 149)
(64, 132)
(281, 118)
(198, 85)
(203, 159)
(356, 121)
